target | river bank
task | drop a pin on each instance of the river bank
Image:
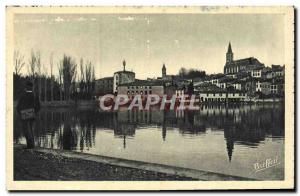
(51, 164)
(34, 165)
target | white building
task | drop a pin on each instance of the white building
(141, 87)
(122, 77)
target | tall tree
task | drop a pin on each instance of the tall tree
(39, 74)
(69, 74)
(88, 77)
(51, 76)
(32, 66)
(82, 78)
(45, 84)
(18, 62)
(60, 76)
(93, 79)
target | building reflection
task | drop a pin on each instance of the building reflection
(76, 130)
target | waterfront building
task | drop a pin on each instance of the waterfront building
(104, 86)
(257, 72)
(277, 86)
(208, 92)
(180, 91)
(266, 87)
(275, 71)
(233, 67)
(141, 87)
(122, 77)
(236, 84)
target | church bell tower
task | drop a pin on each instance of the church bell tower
(229, 54)
(164, 71)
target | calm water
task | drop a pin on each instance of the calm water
(225, 140)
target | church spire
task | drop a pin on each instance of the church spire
(164, 71)
(229, 54)
(229, 48)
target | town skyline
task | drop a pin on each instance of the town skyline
(153, 46)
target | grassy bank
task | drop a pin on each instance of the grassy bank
(33, 165)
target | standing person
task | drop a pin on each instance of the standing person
(28, 106)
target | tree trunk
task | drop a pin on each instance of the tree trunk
(45, 98)
(51, 88)
(40, 88)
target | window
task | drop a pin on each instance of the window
(150, 92)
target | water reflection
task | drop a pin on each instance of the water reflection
(76, 130)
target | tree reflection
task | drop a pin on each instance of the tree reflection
(76, 130)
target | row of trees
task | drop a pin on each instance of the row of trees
(191, 73)
(64, 86)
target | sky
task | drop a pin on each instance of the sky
(146, 41)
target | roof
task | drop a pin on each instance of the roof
(230, 80)
(214, 76)
(130, 72)
(208, 87)
(105, 78)
(277, 68)
(245, 61)
(138, 82)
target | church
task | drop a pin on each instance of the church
(241, 65)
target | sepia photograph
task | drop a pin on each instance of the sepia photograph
(150, 98)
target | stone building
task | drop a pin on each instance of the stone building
(142, 87)
(208, 92)
(122, 77)
(104, 86)
(241, 65)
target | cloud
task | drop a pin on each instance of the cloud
(127, 18)
(59, 19)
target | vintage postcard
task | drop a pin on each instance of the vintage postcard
(150, 98)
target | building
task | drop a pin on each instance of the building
(277, 86)
(208, 92)
(266, 87)
(122, 77)
(275, 71)
(233, 67)
(141, 87)
(104, 86)
(164, 75)
(257, 72)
